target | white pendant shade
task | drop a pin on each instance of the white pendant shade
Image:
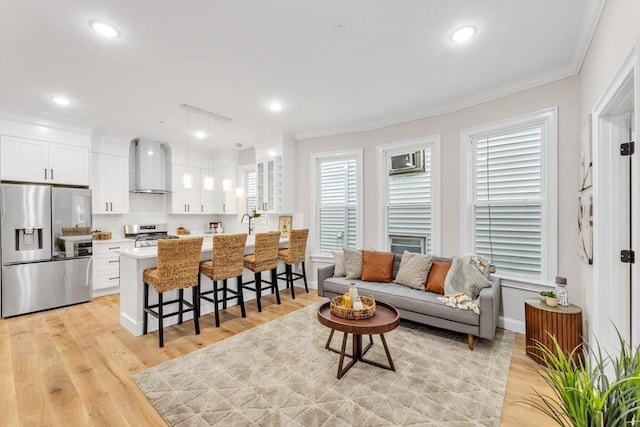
(208, 183)
(187, 180)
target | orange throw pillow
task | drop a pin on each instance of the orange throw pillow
(437, 274)
(377, 266)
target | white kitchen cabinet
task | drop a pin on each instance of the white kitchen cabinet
(185, 200)
(106, 266)
(110, 183)
(30, 160)
(225, 202)
(275, 175)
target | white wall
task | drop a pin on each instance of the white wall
(616, 32)
(563, 94)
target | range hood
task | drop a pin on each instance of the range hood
(148, 167)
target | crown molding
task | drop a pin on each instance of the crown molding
(590, 20)
(539, 80)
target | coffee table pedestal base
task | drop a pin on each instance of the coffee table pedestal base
(358, 352)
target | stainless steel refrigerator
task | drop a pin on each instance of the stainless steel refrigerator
(46, 247)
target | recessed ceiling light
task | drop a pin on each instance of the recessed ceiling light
(58, 100)
(104, 29)
(463, 34)
(200, 134)
(275, 105)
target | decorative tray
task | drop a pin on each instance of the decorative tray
(348, 313)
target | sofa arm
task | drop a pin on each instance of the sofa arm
(324, 273)
(490, 308)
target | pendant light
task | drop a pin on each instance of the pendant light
(187, 178)
(226, 182)
(208, 181)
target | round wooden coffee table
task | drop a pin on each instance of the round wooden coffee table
(385, 319)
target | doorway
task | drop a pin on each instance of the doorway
(615, 296)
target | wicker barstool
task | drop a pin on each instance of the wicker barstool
(178, 264)
(292, 255)
(265, 257)
(227, 262)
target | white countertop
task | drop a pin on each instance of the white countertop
(152, 251)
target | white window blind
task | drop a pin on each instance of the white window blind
(508, 201)
(409, 204)
(251, 191)
(337, 210)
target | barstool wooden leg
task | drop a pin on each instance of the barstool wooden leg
(274, 283)
(290, 280)
(241, 296)
(160, 331)
(258, 284)
(215, 303)
(304, 278)
(180, 307)
(196, 311)
(224, 294)
(145, 316)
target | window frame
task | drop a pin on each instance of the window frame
(547, 119)
(242, 201)
(314, 170)
(384, 152)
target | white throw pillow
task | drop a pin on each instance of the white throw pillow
(414, 270)
(353, 263)
(338, 260)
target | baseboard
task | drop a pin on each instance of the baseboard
(511, 324)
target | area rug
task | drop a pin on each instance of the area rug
(280, 374)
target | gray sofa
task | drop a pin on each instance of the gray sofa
(422, 306)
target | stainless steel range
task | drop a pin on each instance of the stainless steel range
(147, 235)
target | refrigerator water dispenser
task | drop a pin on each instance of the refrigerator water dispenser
(29, 239)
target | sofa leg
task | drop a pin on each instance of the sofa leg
(470, 340)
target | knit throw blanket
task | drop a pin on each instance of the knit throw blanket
(465, 279)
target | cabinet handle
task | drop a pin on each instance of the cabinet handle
(111, 206)
(52, 173)
(224, 208)
(185, 208)
(201, 208)
(106, 206)
(114, 278)
(115, 247)
(45, 173)
(114, 261)
(188, 208)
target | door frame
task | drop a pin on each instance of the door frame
(614, 284)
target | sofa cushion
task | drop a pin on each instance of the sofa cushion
(437, 276)
(353, 263)
(403, 298)
(377, 266)
(338, 260)
(414, 269)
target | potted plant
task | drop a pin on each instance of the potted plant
(544, 295)
(584, 394)
(552, 300)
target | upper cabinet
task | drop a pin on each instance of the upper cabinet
(110, 183)
(29, 160)
(275, 174)
(204, 190)
(48, 154)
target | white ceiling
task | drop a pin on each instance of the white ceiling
(336, 65)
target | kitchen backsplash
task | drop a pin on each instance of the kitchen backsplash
(151, 209)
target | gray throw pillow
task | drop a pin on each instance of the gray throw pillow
(353, 263)
(338, 260)
(414, 270)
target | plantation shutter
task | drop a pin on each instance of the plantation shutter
(409, 204)
(337, 205)
(252, 200)
(508, 201)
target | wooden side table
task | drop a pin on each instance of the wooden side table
(564, 323)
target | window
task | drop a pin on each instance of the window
(338, 189)
(511, 188)
(251, 193)
(408, 193)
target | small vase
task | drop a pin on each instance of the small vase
(552, 302)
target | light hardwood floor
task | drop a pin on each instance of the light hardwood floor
(73, 366)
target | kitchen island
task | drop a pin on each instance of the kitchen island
(134, 261)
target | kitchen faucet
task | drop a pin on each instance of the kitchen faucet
(242, 221)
